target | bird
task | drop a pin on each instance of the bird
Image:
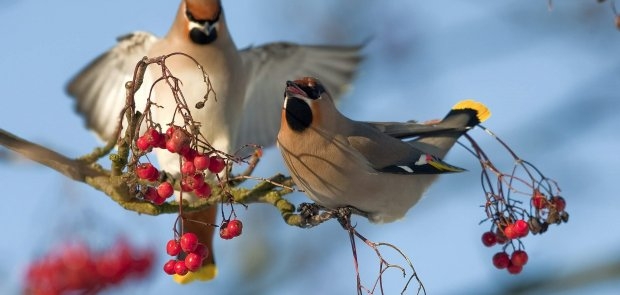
(246, 83)
(381, 169)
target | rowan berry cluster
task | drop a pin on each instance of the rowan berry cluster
(200, 165)
(511, 223)
(511, 218)
(194, 164)
(77, 269)
(190, 249)
(231, 229)
(193, 167)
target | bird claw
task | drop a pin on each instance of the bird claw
(312, 215)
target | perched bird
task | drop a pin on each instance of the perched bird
(379, 168)
(246, 83)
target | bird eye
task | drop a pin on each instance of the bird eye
(313, 91)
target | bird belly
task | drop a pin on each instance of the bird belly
(333, 178)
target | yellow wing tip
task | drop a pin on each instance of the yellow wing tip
(205, 273)
(482, 112)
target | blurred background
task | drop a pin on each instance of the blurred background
(550, 77)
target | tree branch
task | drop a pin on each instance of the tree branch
(74, 169)
(268, 191)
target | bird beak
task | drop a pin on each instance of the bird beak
(292, 90)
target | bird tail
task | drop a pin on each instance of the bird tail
(477, 111)
(466, 113)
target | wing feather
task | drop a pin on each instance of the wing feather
(268, 67)
(99, 89)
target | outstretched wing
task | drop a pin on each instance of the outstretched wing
(268, 67)
(99, 89)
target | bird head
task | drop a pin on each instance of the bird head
(203, 18)
(304, 101)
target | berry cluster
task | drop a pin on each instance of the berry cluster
(508, 232)
(515, 262)
(231, 229)
(194, 164)
(198, 161)
(512, 219)
(547, 211)
(75, 268)
(192, 251)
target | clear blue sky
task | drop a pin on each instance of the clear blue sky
(551, 79)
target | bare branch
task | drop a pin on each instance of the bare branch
(75, 169)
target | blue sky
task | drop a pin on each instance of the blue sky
(551, 79)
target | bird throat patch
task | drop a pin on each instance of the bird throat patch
(298, 114)
(198, 36)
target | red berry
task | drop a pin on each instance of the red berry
(165, 190)
(170, 146)
(152, 136)
(142, 143)
(190, 155)
(188, 168)
(170, 130)
(224, 233)
(489, 239)
(521, 228)
(202, 250)
(151, 194)
(235, 227)
(501, 260)
(204, 191)
(538, 200)
(186, 184)
(201, 162)
(192, 182)
(161, 143)
(169, 267)
(179, 141)
(173, 248)
(518, 258)
(216, 164)
(500, 237)
(193, 261)
(514, 269)
(559, 203)
(189, 242)
(510, 232)
(147, 171)
(159, 200)
(180, 268)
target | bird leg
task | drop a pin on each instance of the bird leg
(312, 216)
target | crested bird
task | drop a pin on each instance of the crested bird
(379, 168)
(246, 83)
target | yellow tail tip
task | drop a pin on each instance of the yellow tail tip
(482, 112)
(205, 273)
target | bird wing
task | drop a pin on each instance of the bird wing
(99, 89)
(413, 129)
(389, 154)
(268, 67)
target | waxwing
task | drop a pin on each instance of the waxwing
(380, 168)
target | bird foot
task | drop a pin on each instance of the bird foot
(314, 214)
